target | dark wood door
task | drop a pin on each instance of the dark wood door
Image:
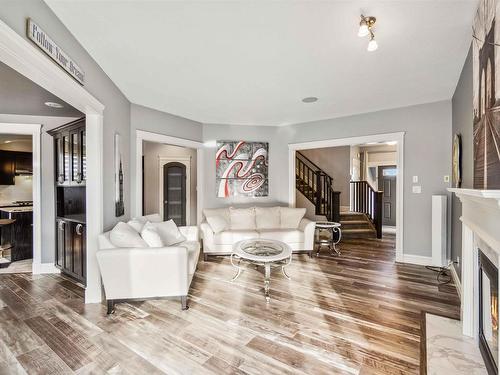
(387, 183)
(174, 192)
(7, 168)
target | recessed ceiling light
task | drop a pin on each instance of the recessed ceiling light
(53, 105)
(310, 99)
(372, 143)
(391, 143)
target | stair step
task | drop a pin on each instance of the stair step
(358, 233)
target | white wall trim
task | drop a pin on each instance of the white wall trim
(33, 130)
(352, 141)
(456, 280)
(41, 268)
(142, 135)
(28, 60)
(162, 160)
(417, 259)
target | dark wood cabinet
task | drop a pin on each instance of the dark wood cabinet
(71, 248)
(70, 154)
(21, 232)
(7, 168)
(24, 163)
(70, 157)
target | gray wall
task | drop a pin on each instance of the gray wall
(143, 118)
(117, 108)
(335, 161)
(278, 163)
(47, 177)
(462, 124)
(152, 151)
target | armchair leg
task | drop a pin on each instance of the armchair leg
(184, 303)
(111, 306)
(205, 257)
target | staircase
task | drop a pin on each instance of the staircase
(317, 186)
(356, 225)
(366, 206)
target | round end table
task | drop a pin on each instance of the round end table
(333, 228)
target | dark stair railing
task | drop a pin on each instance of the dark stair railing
(317, 187)
(367, 200)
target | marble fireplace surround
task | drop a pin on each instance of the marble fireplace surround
(480, 230)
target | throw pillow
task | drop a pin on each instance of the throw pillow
(224, 212)
(267, 217)
(217, 223)
(169, 233)
(123, 235)
(150, 234)
(137, 223)
(291, 217)
(242, 218)
(153, 218)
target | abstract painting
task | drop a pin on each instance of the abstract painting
(486, 126)
(242, 169)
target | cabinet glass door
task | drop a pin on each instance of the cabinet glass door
(75, 156)
(65, 172)
(83, 155)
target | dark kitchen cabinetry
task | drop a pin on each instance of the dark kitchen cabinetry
(70, 156)
(21, 232)
(71, 248)
(13, 163)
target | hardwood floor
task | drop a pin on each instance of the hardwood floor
(356, 314)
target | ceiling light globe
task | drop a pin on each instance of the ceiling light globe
(372, 46)
(363, 30)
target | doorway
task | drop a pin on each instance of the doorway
(174, 192)
(387, 184)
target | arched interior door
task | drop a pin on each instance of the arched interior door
(174, 193)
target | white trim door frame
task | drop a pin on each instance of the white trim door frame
(352, 141)
(33, 130)
(142, 135)
(162, 160)
(28, 60)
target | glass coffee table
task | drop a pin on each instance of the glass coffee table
(263, 252)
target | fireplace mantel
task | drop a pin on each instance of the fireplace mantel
(481, 213)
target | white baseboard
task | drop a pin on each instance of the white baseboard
(456, 280)
(417, 259)
(41, 268)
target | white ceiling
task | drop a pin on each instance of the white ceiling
(251, 62)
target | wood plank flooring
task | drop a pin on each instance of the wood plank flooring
(359, 313)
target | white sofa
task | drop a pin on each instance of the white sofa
(148, 272)
(222, 227)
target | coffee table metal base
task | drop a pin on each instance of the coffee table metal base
(267, 271)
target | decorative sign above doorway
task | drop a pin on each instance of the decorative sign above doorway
(47, 45)
(242, 169)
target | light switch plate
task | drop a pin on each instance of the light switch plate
(415, 179)
(446, 178)
(417, 189)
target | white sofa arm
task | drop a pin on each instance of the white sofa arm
(308, 227)
(191, 233)
(208, 236)
(144, 272)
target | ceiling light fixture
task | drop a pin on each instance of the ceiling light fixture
(365, 28)
(391, 143)
(310, 99)
(53, 105)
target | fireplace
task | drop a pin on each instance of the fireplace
(488, 312)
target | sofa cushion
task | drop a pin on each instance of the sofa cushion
(150, 234)
(153, 218)
(193, 248)
(123, 235)
(291, 217)
(283, 235)
(169, 233)
(137, 223)
(267, 217)
(242, 218)
(224, 212)
(230, 237)
(217, 223)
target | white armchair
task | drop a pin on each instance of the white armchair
(139, 273)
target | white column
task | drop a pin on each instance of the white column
(468, 264)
